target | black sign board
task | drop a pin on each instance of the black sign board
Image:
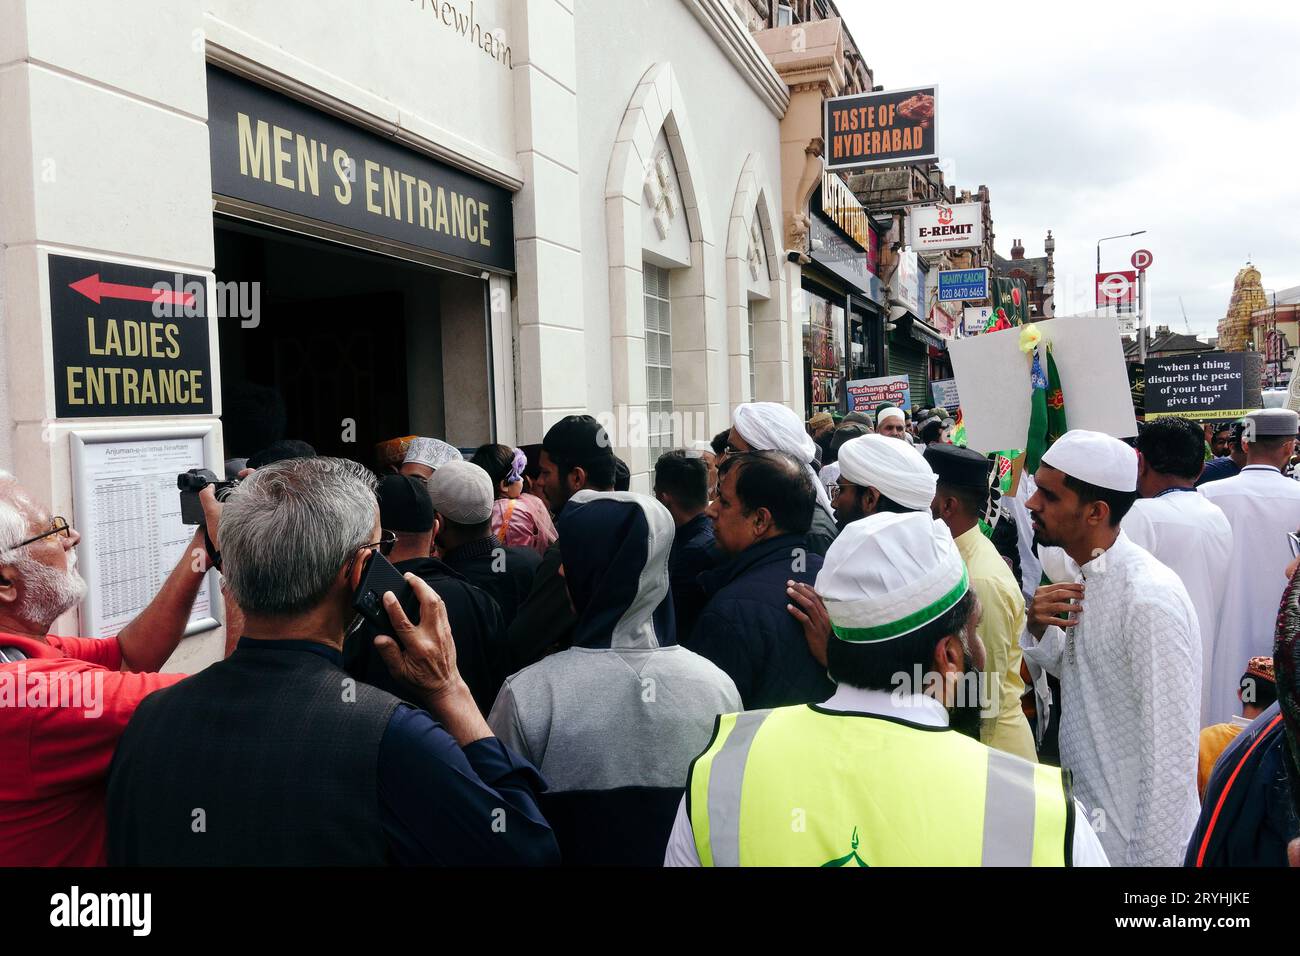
(1137, 386)
(836, 254)
(276, 152)
(1203, 386)
(128, 340)
(875, 129)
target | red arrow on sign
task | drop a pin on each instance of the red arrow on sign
(94, 290)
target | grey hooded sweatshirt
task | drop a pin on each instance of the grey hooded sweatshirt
(614, 722)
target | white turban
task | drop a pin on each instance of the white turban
(894, 468)
(769, 426)
(893, 411)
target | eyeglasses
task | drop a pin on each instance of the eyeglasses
(58, 525)
(387, 541)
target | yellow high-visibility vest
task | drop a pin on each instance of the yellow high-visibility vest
(802, 786)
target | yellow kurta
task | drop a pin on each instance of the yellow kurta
(999, 629)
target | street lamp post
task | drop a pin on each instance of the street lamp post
(1123, 235)
(1142, 342)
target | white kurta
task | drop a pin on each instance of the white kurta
(916, 709)
(1191, 537)
(1130, 675)
(1262, 506)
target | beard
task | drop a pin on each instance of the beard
(48, 593)
(965, 717)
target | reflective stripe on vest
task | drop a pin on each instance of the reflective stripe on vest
(801, 786)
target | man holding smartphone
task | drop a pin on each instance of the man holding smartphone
(275, 756)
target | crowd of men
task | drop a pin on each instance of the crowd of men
(832, 643)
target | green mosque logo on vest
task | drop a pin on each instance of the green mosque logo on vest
(852, 859)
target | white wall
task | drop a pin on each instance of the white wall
(618, 43)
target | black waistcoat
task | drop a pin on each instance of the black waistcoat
(267, 758)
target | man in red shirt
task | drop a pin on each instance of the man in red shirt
(64, 701)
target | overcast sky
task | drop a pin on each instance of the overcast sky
(1107, 117)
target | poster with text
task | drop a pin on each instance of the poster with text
(1203, 385)
(866, 393)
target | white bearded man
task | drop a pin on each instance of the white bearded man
(1123, 638)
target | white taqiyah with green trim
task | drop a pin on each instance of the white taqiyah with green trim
(887, 575)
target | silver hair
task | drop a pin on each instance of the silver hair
(288, 528)
(13, 523)
(47, 593)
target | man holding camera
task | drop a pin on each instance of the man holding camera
(64, 701)
(275, 756)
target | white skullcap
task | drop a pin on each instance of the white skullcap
(887, 575)
(894, 468)
(431, 452)
(1095, 458)
(893, 411)
(769, 426)
(462, 491)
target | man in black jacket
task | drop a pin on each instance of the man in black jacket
(275, 756)
(476, 623)
(763, 510)
(462, 502)
(682, 486)
(576, 455)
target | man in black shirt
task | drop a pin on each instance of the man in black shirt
(462, 499)
(275, 756)
(682, 486)
(476, 623)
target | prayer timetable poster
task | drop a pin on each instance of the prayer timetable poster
(129, 514)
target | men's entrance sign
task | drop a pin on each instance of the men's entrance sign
(128, 340)
(1203, 385)
(271, 150)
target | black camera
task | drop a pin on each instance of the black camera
(194, 481)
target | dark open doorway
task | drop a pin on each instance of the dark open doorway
(346, 349)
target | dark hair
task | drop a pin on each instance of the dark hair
(931, 430)
(578, 441)
(719, 443)
(776, 481)
(533, 470)
(873, 665)
(846, 432)
(1173, 446)
(683, 476)
(622, 475)
(887, 505)
(282, 450)
(1262, 690)
(1119, 502)
(496, 461)
(972, 500)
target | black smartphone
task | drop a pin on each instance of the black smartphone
(368, 600)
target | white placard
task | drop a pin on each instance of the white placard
(127, 510)
(993, 379)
